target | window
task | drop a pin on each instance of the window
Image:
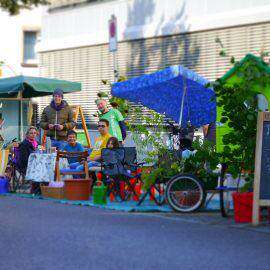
(30, 39)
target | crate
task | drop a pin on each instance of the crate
(52, 192)
(78, 189)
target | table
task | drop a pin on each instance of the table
(41, 167)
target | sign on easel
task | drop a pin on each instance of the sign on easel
(261, 192)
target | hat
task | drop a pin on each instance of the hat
(58, 91)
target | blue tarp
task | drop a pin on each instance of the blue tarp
(162, 92)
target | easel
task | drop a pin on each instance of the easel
(77, 112)
(261, 192)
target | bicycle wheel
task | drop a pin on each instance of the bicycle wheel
(185, 193)
(225, 198)
(224, 202)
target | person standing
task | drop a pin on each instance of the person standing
(117, 126)
(56, 119)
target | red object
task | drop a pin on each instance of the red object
(78, 190)
(152, 193)
(243, 207)
(122, 189)
(111, 197)
(138, 192)
(99, 176)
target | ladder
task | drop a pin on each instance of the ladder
(79, 112)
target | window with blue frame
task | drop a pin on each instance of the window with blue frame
(30, 39)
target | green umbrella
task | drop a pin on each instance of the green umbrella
(34, 86)
(25, 87)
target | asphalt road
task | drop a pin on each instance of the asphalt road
(38, 234)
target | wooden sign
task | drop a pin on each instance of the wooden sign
(261, 193)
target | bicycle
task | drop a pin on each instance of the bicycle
(186, 192)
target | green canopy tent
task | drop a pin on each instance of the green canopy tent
(24, 87)
(235, 76)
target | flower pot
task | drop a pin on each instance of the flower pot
(4, 184)
(78, 189)
(243, 206)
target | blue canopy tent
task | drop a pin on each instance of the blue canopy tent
(177, 92)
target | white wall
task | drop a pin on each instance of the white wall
(11, 45)
(87, 24)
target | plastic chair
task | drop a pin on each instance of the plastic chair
(81, 156)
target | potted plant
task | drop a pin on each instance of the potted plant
(237, 97)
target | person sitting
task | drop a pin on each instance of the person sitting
(26, 147)
(100, 143)
(72, 145)
(113, 143)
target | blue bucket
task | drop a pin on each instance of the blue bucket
(3, 185)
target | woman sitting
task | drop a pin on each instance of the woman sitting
(26, 147)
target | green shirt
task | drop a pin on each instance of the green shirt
(114, 116)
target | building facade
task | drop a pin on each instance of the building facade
(152, 35)
(20, 35)
(18, 56)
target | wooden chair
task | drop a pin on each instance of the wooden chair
(81, 156)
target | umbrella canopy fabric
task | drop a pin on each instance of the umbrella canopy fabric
(163, 91)
(34, 86)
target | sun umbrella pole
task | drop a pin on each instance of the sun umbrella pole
(183, 101)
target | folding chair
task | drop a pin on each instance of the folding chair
(130, 158)
(112, 167)
(81, 157)
(15, 174)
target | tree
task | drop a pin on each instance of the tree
(13, 7)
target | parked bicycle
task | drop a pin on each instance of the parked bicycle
(187, 192)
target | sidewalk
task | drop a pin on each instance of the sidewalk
(214, 218)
